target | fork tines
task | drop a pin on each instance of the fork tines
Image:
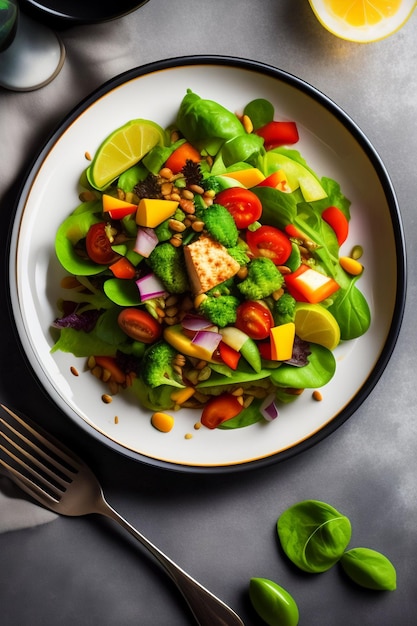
(34, 459)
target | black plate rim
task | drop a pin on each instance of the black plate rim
(401, 287)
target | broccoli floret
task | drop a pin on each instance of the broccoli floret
(167, 262)
(240, 252)
(220, 225)
(222, 289)
(284, 309)
(157, 366)
(212, 183)
(263, 279)
(221, 311)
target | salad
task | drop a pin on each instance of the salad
(204, 266)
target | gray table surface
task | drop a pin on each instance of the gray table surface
(221, 528)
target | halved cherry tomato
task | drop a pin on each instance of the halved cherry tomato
(219, 409)
(98, 245)
(177, 159)
(254, 319)
(243, 205)
(268, 241)
(229, 355)
(139, 325)
(278, 134)
(123, 268)
(338, 221)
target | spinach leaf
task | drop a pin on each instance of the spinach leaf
(241, 148)
(278, 207)
(69, 233)
(319, 371)
(313, 535)
(207, 124)
(122, 292)
(82, 344)
(369, 568)
(351, 310)
(260, 111)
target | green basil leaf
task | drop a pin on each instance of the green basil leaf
(370, 569)
(313, 535)
(319, 371)
(273, 603)
(260, 111)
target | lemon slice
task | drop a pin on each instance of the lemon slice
(123, 148)
(363, 21)
(316, 324)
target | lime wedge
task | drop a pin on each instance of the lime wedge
(316, 324)
(122, 149)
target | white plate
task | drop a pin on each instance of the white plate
(332, 144)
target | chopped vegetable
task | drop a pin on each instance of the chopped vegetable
(277, 134)
(338, 221)
(178, 159)
(168, 263)
(220, 409)
(220, 225)
(243, 205)
(139, 325)
(309, 285)
(158, 368)
(263, 279)
(219, 310)
(269, 242)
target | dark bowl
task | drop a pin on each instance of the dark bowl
(60, 14)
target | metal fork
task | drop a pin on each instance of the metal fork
(60, 481)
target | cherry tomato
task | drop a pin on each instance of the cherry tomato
(139, 325)
(98, 245)
(268, 241)
(254, 319)
(278, 134)
(243, 205)
(219, 409)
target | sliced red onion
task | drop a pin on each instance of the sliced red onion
(195, 322)
(269, 408)
(207, 339)
(146, 241)
(150, 287)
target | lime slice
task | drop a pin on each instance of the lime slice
(316, 324)
(122, 149)
(362, 21)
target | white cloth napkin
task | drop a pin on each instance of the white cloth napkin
(16, 512)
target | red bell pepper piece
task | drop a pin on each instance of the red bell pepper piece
(309, 285)
(338, 221)
(278, 134)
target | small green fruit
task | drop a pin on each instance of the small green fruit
(369, 569)
(273, 603)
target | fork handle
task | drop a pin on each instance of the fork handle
(207, 609)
